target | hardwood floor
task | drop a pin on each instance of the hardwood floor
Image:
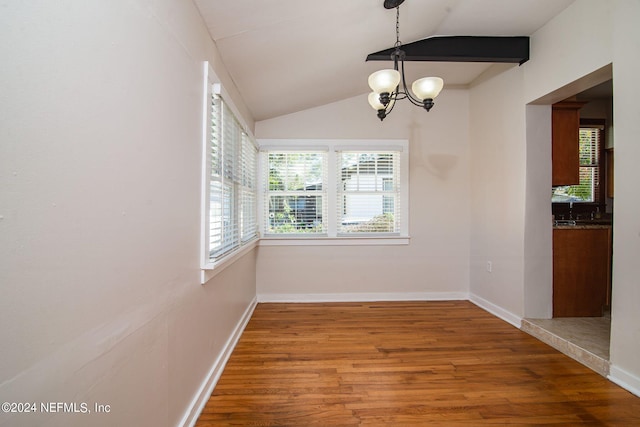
(404, 363)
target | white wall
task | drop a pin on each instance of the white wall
(100, 118)
(436, 262)
(571, 53)
(498, 155)
(574, 44)
(538, 234)
(625, 322)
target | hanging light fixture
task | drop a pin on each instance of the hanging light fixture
(386, 83)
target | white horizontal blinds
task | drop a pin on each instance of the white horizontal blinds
(232, 183)
(589, 187)
(216, 179)
(368, 192)
(588, 190)
(295, 192)
(231, 146)
(249, 189)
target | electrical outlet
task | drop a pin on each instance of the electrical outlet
(489, 266)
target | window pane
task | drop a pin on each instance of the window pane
(295, 214)
(248, 215)
(368, 193)
(232, 182)
(216, 136)
(295, 194)
(215, 216)
(589, 146)
(248, 202)
(588, 189)
(295, 171)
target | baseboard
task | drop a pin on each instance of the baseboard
(498, 311)
(364, 297)
(625, 379)
(201, 398)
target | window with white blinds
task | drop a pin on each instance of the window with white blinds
(346, 189)
(232, 165)
(368, 192)
(590, 151)
(248, 189)
(295, 201)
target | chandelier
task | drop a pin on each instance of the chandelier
(386, 83)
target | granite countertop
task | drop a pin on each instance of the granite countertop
(581, 224)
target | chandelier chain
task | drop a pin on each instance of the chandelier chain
(398, 43)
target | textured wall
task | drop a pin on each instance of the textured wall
(100, 154)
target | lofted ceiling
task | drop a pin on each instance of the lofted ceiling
(290, 55)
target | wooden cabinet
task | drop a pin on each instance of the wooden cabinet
(581, 271)
(565, 128)
(609, 158)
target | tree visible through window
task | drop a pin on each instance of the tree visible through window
(588, 190)
(336, 191)
(296, 199)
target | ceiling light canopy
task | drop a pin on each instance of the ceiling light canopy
(390, 4)
(386, 83)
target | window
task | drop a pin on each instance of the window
(230, 172)
(334, 189)
(367, 191)
(590, 146)
(296, 200)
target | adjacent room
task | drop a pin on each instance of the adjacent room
(187, 185)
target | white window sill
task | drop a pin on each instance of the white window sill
(335, 241)
(210, 270)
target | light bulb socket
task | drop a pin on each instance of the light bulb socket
(427, 104)
(385, 98)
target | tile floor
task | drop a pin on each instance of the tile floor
(585, 339)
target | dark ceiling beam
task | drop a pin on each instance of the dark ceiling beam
(462, 49)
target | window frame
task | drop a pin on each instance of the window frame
(332, 147)
(356, 193)
(599, 201)
(286, 193)
(212, 265)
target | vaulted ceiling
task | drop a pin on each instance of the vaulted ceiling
(290, 55)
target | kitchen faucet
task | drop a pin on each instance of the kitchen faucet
(571, 209)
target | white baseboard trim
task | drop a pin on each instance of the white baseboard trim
(209, 383)
(498, 311)
(364, 297)
(625, 379)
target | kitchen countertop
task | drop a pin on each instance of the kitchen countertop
(581, 224)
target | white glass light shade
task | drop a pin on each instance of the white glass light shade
(374, 101)
(427, 88)
(384, 81)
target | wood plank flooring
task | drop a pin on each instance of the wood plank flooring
(404, 363)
